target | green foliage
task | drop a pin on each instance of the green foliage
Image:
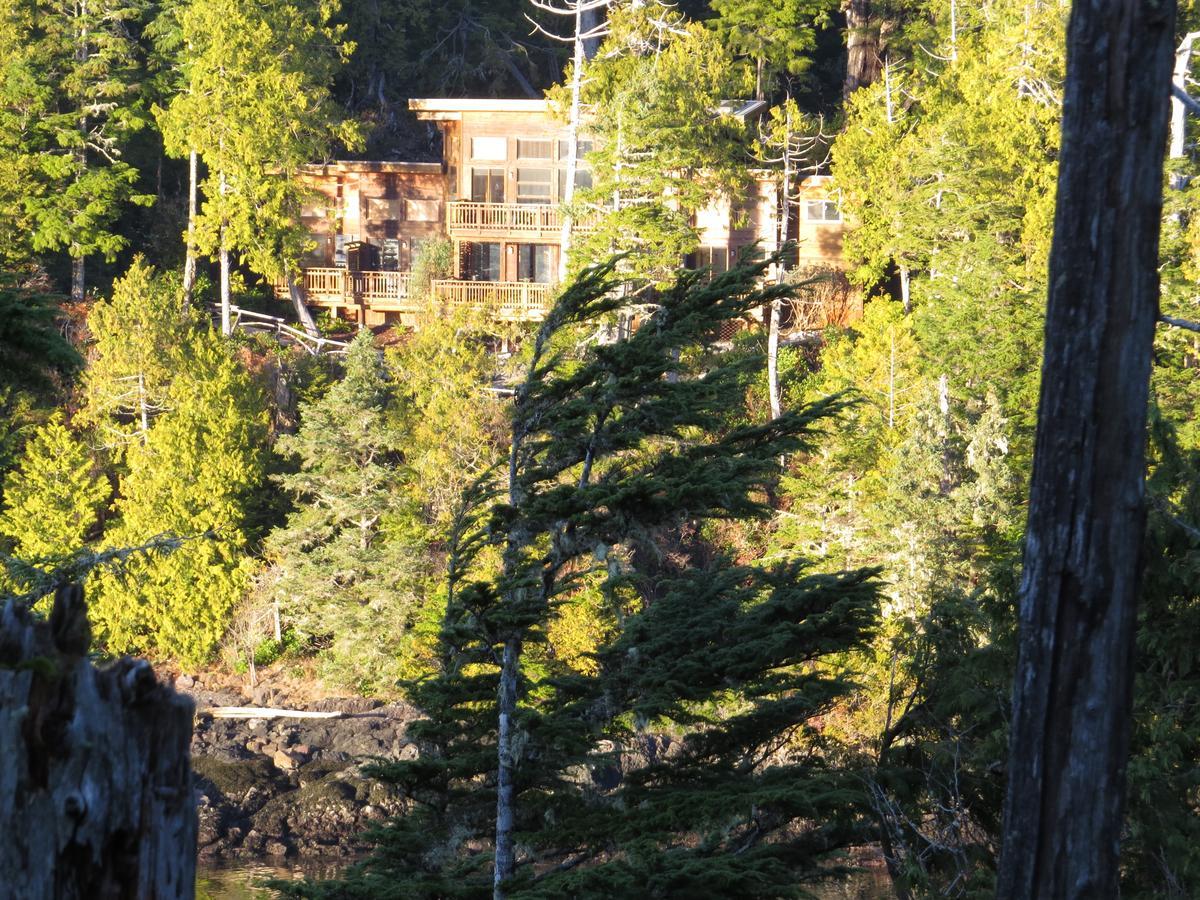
(663, 149)
(255, 104)
(435, 259)
(616, 448)
(69, 103)
(347, 567)
(33, 351)
(52, 498)
(949, 172)
(776, 36)
(201, 460)
(137, 334)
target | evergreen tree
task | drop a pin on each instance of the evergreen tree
(663, 148)
(614, 456)
(52, 498)
(71, 94)
(139, 335)
(255, 105)
(347, 567)
(776, 37)
(192, 478)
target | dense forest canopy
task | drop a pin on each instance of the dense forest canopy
(572, 542)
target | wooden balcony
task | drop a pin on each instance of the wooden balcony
(384, 291)
(504, 301)
(390, 292)
(533, 221)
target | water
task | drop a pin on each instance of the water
(243, 881)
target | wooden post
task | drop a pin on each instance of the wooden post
(95, 787)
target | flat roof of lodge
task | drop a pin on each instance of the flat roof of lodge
(450, 109)
(372, 165)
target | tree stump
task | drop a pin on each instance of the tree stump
(95, 777)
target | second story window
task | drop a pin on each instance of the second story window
(489, 148)
(487, 185)
(822, 211)
(535, 185)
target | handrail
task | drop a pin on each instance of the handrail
(277, 326)
(514, 301)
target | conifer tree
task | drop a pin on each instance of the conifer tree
(348, 564)
(138, 336)
(71, 101)
(51, 499)
(192, 478)
(255, 105)
(565, 773)
(663, 148)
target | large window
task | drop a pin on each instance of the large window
(535, 262)
(822, 211)
(481, 262)
(535, 185)
(487, 185)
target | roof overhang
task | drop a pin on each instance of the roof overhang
(451, 110)
(370, 165)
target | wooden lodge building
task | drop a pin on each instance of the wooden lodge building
(496, 196)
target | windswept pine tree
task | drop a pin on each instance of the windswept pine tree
(686, 760)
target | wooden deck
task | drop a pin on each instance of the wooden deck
(504, 301)
(510, 221)
(378, 293)
(540, 221)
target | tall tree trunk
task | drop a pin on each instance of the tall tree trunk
(96, 797)
(564, 238)
(1073, 687)
(226, 303)
(189, 262)
(506, 862)
(591, 22)
(773, 310)
(862, 45)
(78, 281)
(302, 313)
(1178, 145)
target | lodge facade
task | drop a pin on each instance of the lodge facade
(496, 196)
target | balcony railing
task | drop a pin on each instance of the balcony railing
(518, 219)
(506, 301)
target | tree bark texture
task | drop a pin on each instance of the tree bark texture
(95, 786)
(1073, 689)
(189, 262)
(862, 45)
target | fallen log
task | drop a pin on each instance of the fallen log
(266, 712)
(95, 777)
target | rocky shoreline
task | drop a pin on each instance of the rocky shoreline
(276, 787)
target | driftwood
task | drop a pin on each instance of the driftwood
(95, 778)
(265, 712)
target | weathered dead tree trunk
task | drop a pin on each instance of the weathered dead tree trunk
(1073, 690)
(95, 779)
